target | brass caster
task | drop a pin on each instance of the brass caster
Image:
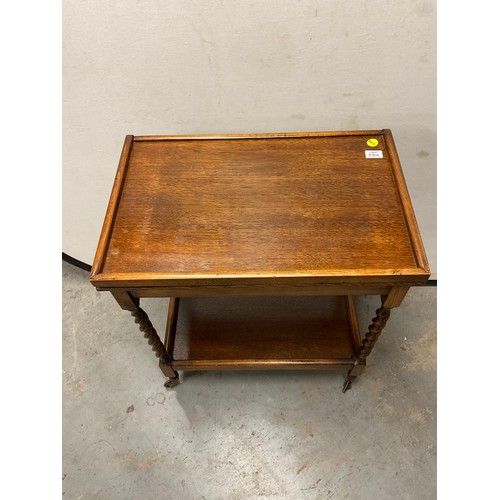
(171, 383)
(347, 385)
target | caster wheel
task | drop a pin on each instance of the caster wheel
(347, 385)
(172, 382)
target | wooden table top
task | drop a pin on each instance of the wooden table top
(299, 207)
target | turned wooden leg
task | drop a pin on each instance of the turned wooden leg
(130, 303)
(371, 337)
(145, 325)
(374, 331)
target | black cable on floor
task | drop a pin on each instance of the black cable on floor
(70, 260)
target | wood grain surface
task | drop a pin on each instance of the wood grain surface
(256, 332)
(289, 207)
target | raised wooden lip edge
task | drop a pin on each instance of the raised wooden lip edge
(411, 220)
(108, 279)
(332, 277)
(263, 135)
(109, 218)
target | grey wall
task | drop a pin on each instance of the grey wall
(173, 67)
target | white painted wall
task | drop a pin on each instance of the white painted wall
(181, 67)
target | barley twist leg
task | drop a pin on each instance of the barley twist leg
(145, 325)
(371, 337)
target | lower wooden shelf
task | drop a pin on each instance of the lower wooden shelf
(261, 332)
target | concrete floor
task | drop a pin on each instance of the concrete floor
(244, 435)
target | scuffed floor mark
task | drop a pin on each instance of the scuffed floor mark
(75, 387)
(278, 418)
(385, 408)
(302, 467)
(308, 429)
(423, 352)
(312, 487)
(160, 398)
(419, 416)
(136, 461)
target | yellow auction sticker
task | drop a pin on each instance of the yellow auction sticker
(372, 142)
